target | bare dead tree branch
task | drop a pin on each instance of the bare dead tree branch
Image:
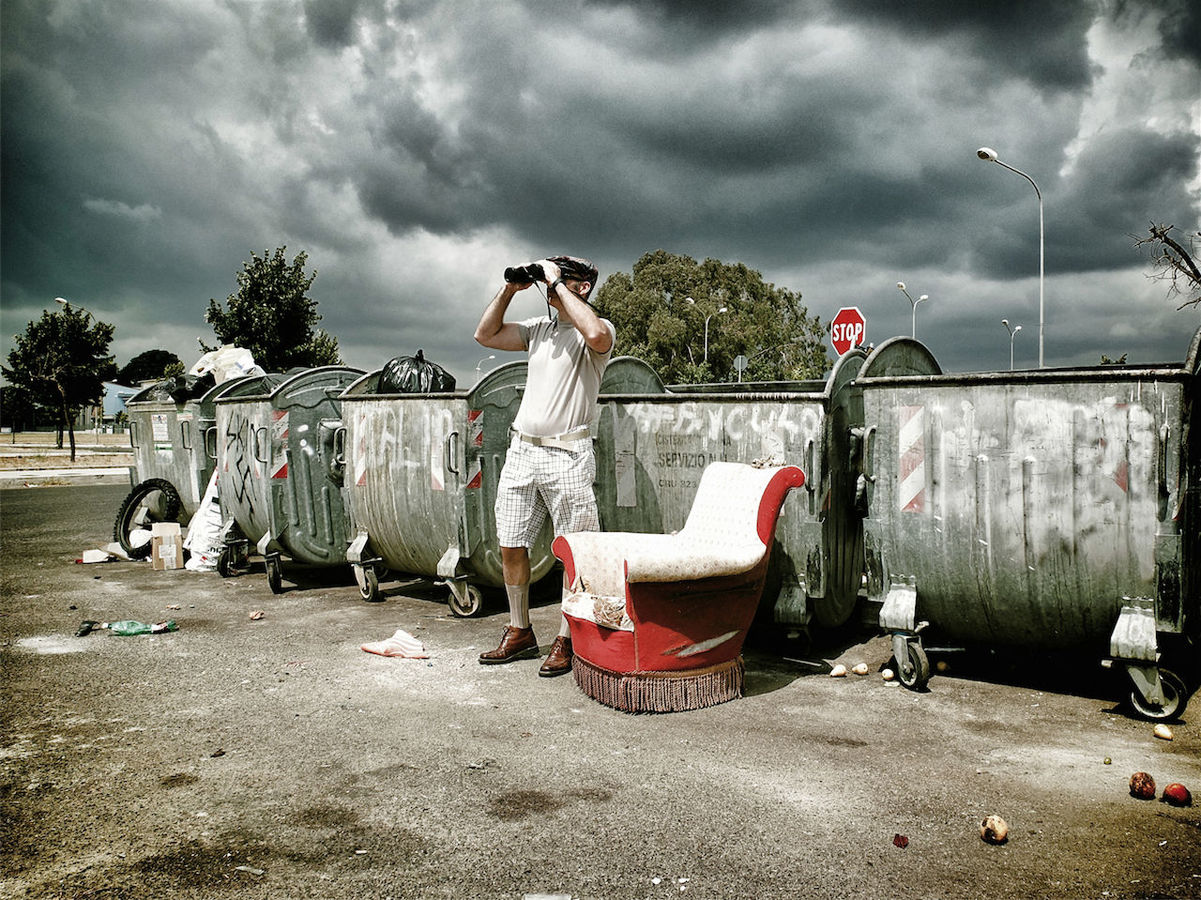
(1174, 263)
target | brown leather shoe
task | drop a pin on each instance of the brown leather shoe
(516, 643)
(558, 661)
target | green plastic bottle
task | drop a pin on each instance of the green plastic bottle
(128, 627)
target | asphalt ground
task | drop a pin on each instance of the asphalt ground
(271, 757)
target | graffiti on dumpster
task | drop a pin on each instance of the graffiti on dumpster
(239, 460)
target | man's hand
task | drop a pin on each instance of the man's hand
(551, 271)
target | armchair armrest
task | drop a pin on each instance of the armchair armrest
(679, 557)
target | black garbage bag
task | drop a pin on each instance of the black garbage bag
(180, 388)
(414, 375)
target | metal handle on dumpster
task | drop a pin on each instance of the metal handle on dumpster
(450, 452)
(134, 440)
(210, 442)
(869, 453)
(1161, 461)
(185, 435)
(259, 440)
(340, 446)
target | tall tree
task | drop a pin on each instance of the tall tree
(669, 313)
(150, 364)
(62, 362)
(272, 315)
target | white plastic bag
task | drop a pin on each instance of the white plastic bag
(226, 363)
(204, 532)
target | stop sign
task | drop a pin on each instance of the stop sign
(847, 329)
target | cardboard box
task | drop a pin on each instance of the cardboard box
(166, 545)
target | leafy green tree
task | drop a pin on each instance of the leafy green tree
(660, 313)
(272, 315)
(17, 409)
(150, 364)
(62, 362)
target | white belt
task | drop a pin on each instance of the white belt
(562, 441)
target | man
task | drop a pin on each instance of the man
(550, 465)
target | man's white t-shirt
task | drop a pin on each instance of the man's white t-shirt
(563, 379)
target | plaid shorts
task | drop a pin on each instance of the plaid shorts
(536, 481)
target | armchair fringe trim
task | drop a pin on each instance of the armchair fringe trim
(669, 691)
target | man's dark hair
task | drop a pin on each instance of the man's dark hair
(577, 269)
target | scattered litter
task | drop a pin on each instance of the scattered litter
(1163, 732)
(888, 674)
(115, 549)
(128, 627)
(360, 853)
(994, 830)
(942, 666)
(1177, 795)
(96, 556)
(217, 753)
(839, 671)
(900, 840)
(174, 606)
(859, 668)
(86, 627)
(256, 615)
(1142, 786)
(656, 880)
(250, 870)
(401, 644)
(546, 897)
(204, 532)
(1107, 761)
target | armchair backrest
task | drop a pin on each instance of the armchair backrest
(736, 502)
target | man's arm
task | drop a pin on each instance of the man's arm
(493, 331)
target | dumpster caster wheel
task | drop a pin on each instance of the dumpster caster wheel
(154, 500)
(225, 563)
(275, 574)
(914, 670)
(469, 604)
(368, 583)
(1174, 693)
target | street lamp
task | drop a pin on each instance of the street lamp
(68, 305)
(990, 155)
(707, 318)
(913, 312)
(481, 362)
(1012, 334)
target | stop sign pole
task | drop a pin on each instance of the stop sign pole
(847, 329)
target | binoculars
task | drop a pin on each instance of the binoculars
(525, 274)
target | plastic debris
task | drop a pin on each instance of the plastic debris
(256, 615)
(401, 644)
(250, 870)
(1163, 732)
(129, 627)
(96, 556)
(900, 840)
(994, 830)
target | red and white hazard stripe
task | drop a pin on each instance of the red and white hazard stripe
(475, 427)
(911, 458)
(279, 443)
(360, 451)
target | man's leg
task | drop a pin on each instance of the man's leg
(515, 564)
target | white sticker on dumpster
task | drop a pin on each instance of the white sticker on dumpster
(158, 428)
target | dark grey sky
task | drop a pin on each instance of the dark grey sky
(414, 149)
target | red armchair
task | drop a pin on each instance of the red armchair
(658, 620)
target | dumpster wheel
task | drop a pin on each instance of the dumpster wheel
(466, 605)
(368, 581)
(275, 573)
(1174, 696)
(914, 670)
(154, 500)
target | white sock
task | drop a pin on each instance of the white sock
(519, 605)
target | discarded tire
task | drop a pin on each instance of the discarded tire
(154, 500)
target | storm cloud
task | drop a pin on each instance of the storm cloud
(413, 149)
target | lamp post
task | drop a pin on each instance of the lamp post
(480, 363)
(707, 318)
(990, 155)
(68, 305)
(1012, 334)
(913, 303)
